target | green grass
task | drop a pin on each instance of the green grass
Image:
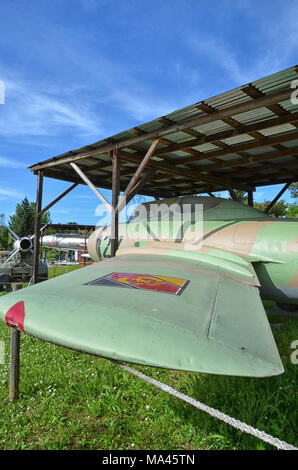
(70, 400)
(55, 271)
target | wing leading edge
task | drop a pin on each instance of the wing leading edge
(157, 310)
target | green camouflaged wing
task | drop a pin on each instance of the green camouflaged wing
(158, 310)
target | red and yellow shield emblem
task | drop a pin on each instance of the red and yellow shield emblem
(166, 284)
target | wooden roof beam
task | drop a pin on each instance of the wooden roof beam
(251, 91)
(268, 141)
(290, 118)
(246, 171)
(167, 122)
(293, 151)
(192, 173)
(276, 178)
(71, 177)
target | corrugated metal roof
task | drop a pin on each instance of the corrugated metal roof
(213, 133)
(230, 98)
(278, 130)
(212, 127)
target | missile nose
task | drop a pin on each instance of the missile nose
(24, 244)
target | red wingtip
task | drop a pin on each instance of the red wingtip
(16, 315)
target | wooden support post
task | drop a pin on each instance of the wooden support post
(277, 198)
(85, 248)
(115, 198)
(37, 227)
(233, 195)
(15, 340)
(250, 197)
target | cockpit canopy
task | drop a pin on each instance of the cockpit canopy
(211, 208)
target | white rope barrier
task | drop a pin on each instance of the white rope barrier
(211, 411)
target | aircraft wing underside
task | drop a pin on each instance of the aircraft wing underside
(158, 310)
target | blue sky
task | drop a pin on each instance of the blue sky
(76, 71)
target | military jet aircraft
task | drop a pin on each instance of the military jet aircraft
(183, 291)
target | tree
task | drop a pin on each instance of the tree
(278, 210)
(241, 196)
(5, 241)
(22, 222)
(294, 190)
(292, 211)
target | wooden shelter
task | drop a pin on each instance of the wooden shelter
(240, 139)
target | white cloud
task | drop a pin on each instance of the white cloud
(44, 109)
(139, 105)
(117, 85)
(32, 112)
(221, 54)
(273, 44)
(10, 163)
(9, 193)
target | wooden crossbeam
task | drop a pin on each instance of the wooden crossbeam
(191, 188)
(276, 198)
(239, 148)
(293, 151)
(251, 91)
(91, 186)
(240, 130)
(102, 182)
(51, 204)
(273, 181)
(192, 173)
(275, 178)
(141, 183)
(143, 163)
(291, 173)
(270, 165)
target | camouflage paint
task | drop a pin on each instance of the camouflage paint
(271, 245)
(199, 330)
(168, 302)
